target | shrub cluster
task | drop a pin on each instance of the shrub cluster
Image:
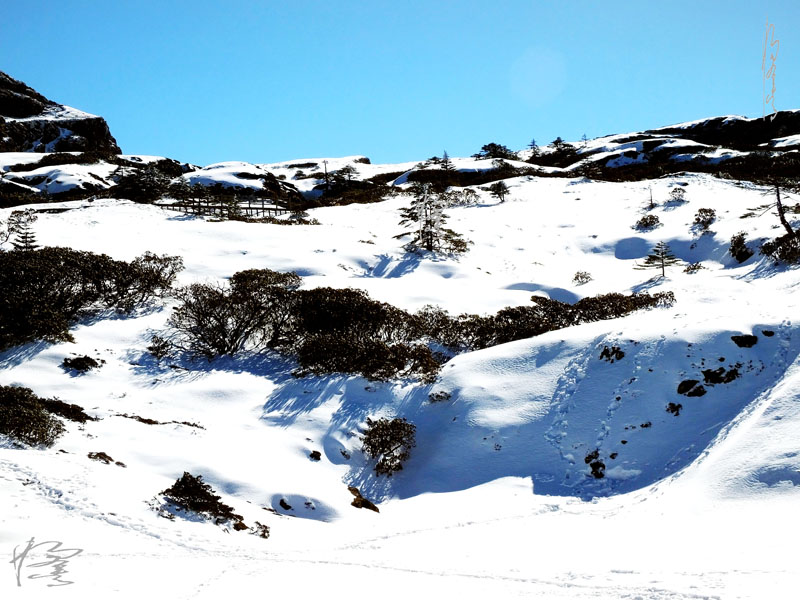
(332, 330)
(647, 222)
(785, 249)
(473, 332)
(25, 418)
(46, 290)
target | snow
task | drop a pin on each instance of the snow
(55, 112)
(497, 497)
(62, 178)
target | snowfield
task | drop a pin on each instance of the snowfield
(498, 497)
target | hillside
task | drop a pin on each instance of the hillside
(502, 460)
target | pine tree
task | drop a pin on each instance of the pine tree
(447, 164)
(427, 212)
(660, 258)
(20, 224)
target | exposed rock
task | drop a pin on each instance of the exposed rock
(720, 375)
(315, 455)
(744, 341)
(29, 122)
(359, 501)
(105, 458)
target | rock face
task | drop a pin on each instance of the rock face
(29, 122)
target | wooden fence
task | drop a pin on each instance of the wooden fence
(217, 207)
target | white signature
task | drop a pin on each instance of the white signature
(55, 557)
(769, 73)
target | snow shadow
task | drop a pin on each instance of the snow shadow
(554, 293)
(632, 248)
(303, 507)
(390, 267)
(20, 354)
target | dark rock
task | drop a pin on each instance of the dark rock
(315, 455)
(359, 501)
(48, 127)
(696, 392)
(598, 469)
(715, 376)
(744, 341)
(284, 505)
(768, 332)
(675, 409)
(105, 458)
(685, 386)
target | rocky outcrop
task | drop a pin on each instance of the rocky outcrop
(29, 122)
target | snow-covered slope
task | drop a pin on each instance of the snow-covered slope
(498, 496)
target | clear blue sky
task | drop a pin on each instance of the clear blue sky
(205, 81)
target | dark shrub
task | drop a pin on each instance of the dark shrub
(647, 222)
(693, 267)
(72, 412)
(581, 277)
(705, 217)
(254, 310)
(80, 363)
(739, 249)
(390, 441)
(193, 494)
(785, 249)
(350, 312)
(24, 418)
(144, 185)
(374, 359)
(46, 290)
(159, 347)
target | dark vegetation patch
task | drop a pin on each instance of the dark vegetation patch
(71, 412)
(744, 341)
(647, 222)
(738, 248)
(332, 330)
(82, 364)
(390, 441)
(24, 417)
(192, 494)
(147, 421)
(47, 290)
(785, 248)
(440, 396)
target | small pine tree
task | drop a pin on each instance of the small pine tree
(20, 223)
(660, 258)
(446, 163)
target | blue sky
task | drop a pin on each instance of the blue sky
(205, 81)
